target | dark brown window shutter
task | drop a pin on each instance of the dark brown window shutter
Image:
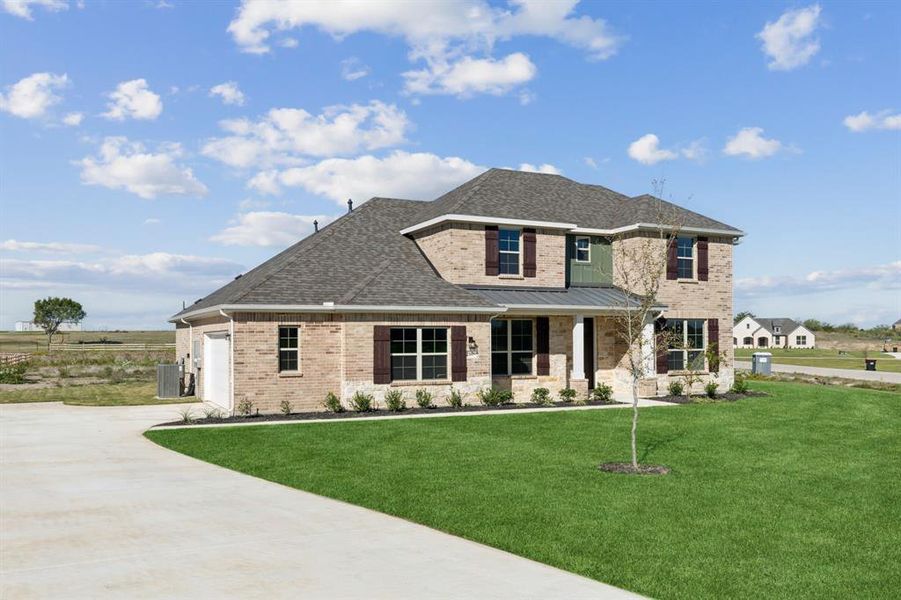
(543, 356)
(492, 251)
(713, 343)
(662, 349)
(528, 253)
(703, 270)
(672, 271)
(458, 353)
(381, 354)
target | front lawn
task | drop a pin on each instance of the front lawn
(100, 394)
(793, 495)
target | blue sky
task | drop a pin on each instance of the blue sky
(128, 184)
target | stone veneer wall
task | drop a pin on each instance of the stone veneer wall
(457, 251)
(711, 299)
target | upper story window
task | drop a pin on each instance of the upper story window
(288, 349)
(583, 249)
(508, 245)
(685, 257)
(418, 353)
(511, 347)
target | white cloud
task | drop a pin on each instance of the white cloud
(30, 97)
(543, 168)
(60, 247)
(22, 8)
(288, 43)
(266, 228)
(352, 69)
(229, 92)
(285, 135)
(152, 221)
(879, 277)
(73, 119)
(590, 162)
(469, 76)
(250, 204)
(789, 42)
(750, 143)
(865, 121)
(121, 164)
(646, 150)
(445, 34)
(133, 99)
(401, 174)
(696, 150)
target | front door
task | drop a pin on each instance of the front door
(215, 369)
(589, 351)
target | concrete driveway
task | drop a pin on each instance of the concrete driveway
(90, 508)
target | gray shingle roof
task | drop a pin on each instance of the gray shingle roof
(361, 259)
(542, 197)
(787, 325)
(599, 297)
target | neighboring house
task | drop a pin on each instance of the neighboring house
(760, 332)
(507, 280)
(896, 326)
(64, 327)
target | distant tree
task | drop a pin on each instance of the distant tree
(742, 315)
(50, 313)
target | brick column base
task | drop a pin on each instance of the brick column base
(647, 388)
(581, 387)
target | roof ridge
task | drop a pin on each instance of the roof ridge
(479, 181)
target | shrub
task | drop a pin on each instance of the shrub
(394, 401)
(710, 389)
(187, 415)
(332, 403)
(245, 407)
(455, 400)
(740, 386)
(285, 407)
(424, 398)
(494, 396)
(541, 396)
(212, 413)
(13, 373)
(602, 393)
(361, 402)
(567, 394)
(675, 388)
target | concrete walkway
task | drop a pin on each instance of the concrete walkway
(89, 508)
(862, 375)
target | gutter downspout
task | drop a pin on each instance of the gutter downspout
(231, 360)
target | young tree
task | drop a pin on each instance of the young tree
(639, 266)
(50, 313)
(742, 315)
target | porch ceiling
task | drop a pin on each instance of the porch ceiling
(559, 300)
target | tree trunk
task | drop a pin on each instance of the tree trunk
(634, 422)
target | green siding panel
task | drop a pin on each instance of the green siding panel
(597, 272)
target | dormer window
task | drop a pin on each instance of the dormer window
(777, 329)
(508, 245)
(583, 249)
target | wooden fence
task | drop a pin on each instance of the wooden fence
(13, 358)
(111, 347)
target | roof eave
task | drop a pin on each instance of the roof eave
(330, 307)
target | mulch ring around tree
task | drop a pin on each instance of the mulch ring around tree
(727, 397)
(200, 419)
(628, 469)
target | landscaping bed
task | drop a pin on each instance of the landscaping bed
(701, 398)
(326, 415)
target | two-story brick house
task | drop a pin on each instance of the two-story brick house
(507, 280)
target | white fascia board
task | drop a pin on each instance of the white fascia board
(657, 227)
(335, 308)
(487, 221)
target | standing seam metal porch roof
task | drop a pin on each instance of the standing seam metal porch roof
(600, 298)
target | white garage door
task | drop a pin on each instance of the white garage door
(215, 369)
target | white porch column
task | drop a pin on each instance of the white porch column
(578, 371)
(649, 348)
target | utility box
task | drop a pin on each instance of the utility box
(761, 363)
(168, 381)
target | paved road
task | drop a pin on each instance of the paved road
(846, 373)
(89, 508)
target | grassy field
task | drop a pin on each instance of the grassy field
(116, 394)
(831, 359)
(33, 341)
(797, 495)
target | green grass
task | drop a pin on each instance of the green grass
(113, 394)
(795, 495)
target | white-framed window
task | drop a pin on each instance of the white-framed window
(777, 329)
(511, 347)
(687, 346)
(800, 340)
(776, 339)
(288, 349)
(418, 353)
(508, 245)
(685, 258)
(583, 249)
